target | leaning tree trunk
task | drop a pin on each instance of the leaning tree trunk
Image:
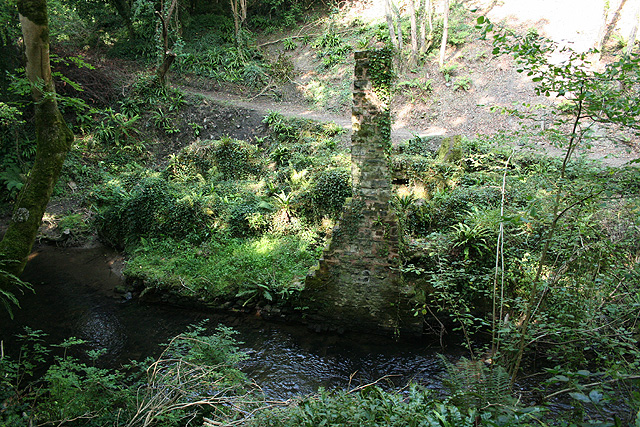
(53, 139)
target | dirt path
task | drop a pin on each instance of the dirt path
(400, 132)
(605, 150)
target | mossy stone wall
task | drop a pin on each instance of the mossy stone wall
(356, 284)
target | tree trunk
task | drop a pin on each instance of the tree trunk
(53, 139)
(390, 24)
(445, 34)
(163, 69)
(239, 11)
(398, 15)
(414, 33)
(427, 17)
(169, 56)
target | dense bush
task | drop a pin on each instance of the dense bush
(330, 190)
(150, 208)
(236, 159)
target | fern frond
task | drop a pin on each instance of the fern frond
(9, 299)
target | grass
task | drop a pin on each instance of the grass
(263, 267)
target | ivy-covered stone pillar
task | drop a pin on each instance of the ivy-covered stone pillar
(356, 284)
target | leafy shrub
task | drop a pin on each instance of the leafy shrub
(151, 208)
(283, 130)
(236, 159)
(242, 220)
(213, 25)
(332, 49)
(196, 370)
(116, 128)
(462, 83)
(416, 83)
(273, 15)
(371, 407)
(330, 190)
(448, 208)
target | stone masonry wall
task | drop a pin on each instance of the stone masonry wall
(356, 284)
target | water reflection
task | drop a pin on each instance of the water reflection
(102, 329)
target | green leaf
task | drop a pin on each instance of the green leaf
(596, 396)
(581, 397)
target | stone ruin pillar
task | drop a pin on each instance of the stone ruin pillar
(356, 285)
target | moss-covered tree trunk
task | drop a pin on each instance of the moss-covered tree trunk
(53, 140)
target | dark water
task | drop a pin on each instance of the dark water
(74, 297)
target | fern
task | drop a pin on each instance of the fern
(9, 299)
(473, 385)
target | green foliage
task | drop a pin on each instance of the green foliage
(67, 25)
(448, 71)
(331, 49)
(283, 130)
(274, 15)
(195, 372)
(13, 178)
(209, 49)
(236, 159)
(473, 384)
(116, 128)
(302, 144)
(289, 44)
(416, 83)
(9, 285)
(462, 83)
(250, 270)
(372, 407)
(17, 149)
(475, 241)
(330, 190)
(76, 223)
(163, 120)
(381, 72)
(152, 207)
(11, 30)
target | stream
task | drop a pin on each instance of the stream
(74, 297)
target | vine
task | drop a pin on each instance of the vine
(381, 73)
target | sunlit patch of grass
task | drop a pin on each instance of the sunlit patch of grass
(222, 267)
